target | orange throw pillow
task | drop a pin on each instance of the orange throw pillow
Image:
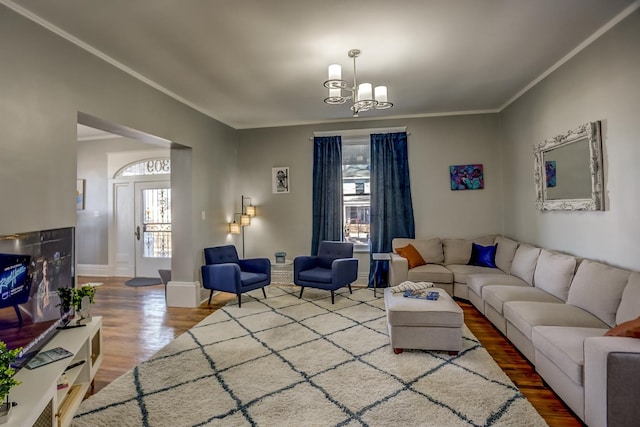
(626, 329)
(412, 255)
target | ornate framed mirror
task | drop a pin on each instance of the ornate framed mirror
(568, 170)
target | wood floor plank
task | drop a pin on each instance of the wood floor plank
(137, 323)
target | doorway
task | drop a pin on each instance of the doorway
(152, 217)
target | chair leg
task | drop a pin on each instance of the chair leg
(332, 297)
(350, 291)
(264, 293)
(210, 295)
(239, 300)
(301, 289)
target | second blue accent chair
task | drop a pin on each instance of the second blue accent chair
(223, 271)
(333, 268)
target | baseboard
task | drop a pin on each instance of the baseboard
(363, 279)
(98, 270)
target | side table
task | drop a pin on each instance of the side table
(377, 257)
(282, 272)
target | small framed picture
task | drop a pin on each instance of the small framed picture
(466, 177)
(280, 180)
(80, 194)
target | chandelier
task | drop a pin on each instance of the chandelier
(362, 96)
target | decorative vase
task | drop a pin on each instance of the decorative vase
(84, 311)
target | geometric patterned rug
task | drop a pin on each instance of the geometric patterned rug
(284, 361)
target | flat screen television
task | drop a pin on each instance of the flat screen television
(33, 266)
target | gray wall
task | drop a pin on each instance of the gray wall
(45, 82)
(601, 83)
(283, 221)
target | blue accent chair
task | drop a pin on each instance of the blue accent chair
(223, 271)
(333, 268)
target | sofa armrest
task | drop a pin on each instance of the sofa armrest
(398, 269)
(596, 354)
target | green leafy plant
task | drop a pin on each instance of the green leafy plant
(7, 381)
(72, 297)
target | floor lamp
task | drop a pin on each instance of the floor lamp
(246, 212)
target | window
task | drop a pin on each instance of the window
(356, 198)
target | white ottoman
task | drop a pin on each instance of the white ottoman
(424, 324)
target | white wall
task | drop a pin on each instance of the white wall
(284, 220)
(92, 226)
(45, 82)
(601, 83)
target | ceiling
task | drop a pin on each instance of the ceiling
(261, 63)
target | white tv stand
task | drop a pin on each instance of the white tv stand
(40, 403)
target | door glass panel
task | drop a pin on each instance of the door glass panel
(156, 205)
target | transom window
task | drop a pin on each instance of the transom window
(146, 167)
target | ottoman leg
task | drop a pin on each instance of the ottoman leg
(398, 350)
(453, 353)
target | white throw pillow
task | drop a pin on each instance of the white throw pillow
(410, 285)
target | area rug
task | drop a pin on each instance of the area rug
(143, 281)
(284, 361)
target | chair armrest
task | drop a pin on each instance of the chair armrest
(596, 353)
(398, 269)
(302, 263)
(221, 277)
(256, 265)
(344, 271)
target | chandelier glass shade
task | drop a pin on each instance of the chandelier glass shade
(362, 96)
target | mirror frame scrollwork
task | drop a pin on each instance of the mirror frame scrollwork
(591, 132)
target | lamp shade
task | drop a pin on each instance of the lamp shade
(234, 228)
(250, 210)
(335, 72)
(245, 220)
(381, 93)
(364, 92)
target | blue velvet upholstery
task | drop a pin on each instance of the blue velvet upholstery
(333, 268)
(223, 271)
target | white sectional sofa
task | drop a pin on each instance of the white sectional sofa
(556, 309)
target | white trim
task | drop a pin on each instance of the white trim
(357, 136)
(98, 270)
(606, 27)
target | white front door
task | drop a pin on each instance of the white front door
(152, 231)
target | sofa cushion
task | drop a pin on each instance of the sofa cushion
(630, 328)
(497, 295)
(483, 256)
(554, 273)
(524, 315)
(564, 346)
(598, 289)
(462, 272)
(629, 307)
(477, 282)
(524, 262)
(430, 249)
(412, 255)
(458, 251)
(430, 273)
(505, 251)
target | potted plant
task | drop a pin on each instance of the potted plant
(7, 381)
(84, 297)
(71, 298)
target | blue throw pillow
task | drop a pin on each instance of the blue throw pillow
(483, 256)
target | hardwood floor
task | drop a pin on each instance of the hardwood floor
(137, 323)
